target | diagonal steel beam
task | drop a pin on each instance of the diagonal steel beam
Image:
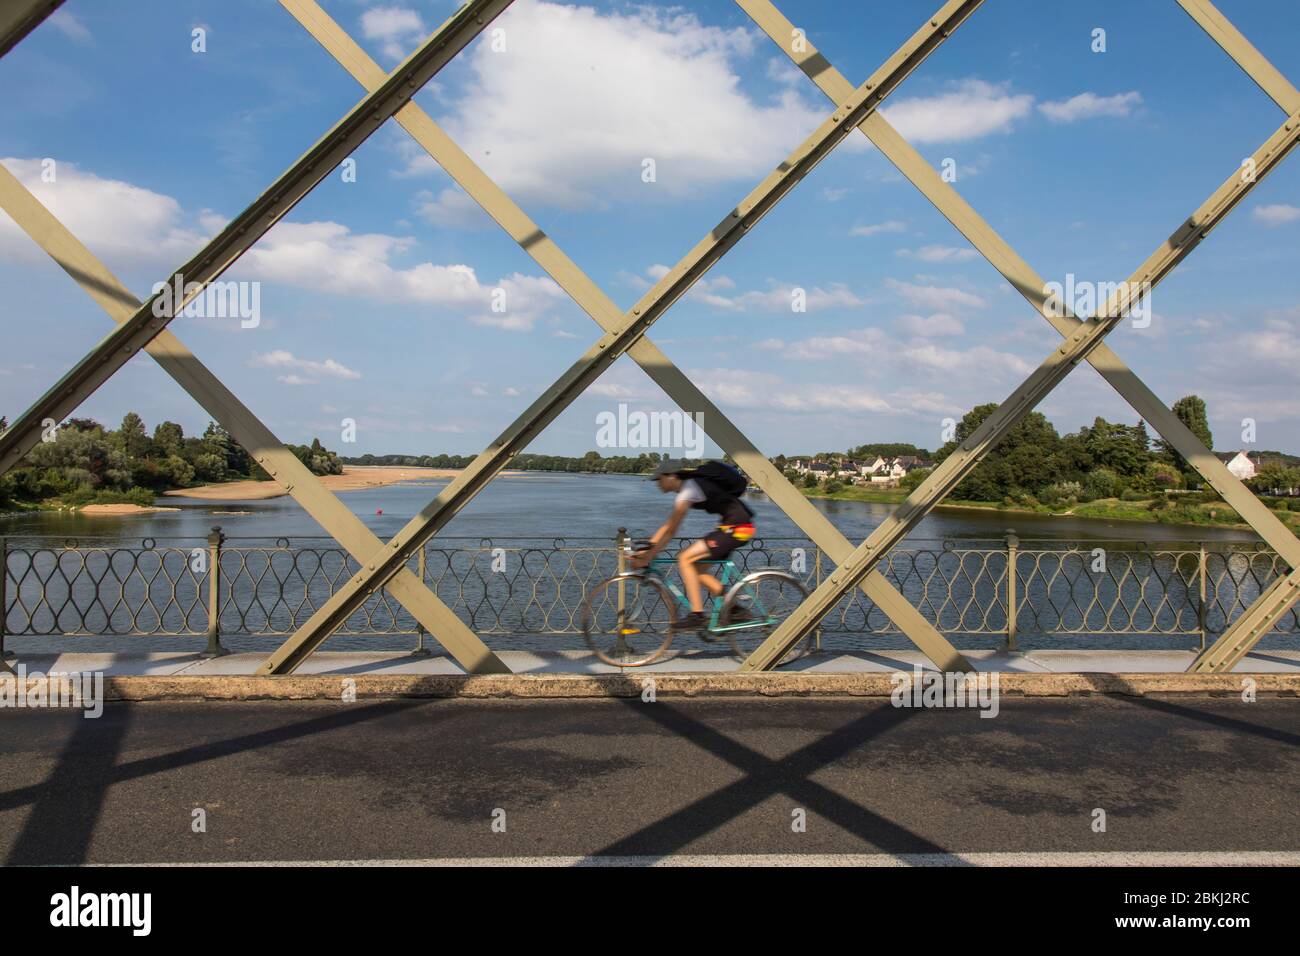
(1032, 287)
(1256, 66)
(1247, 631)
(1260, 618)
(633, 325)
(129, 337)
(1023, 278)
(181, 364)
(1046, 377)
(20, 17)
(591, 299)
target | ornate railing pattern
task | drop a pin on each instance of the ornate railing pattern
(535, 587)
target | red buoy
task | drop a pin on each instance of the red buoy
(379, 511)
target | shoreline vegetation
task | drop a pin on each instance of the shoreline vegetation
(1217, 514)
(1106, 471)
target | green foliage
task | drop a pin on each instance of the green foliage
(1062, 494)
(1032, 456)
(1191, 411)
(590, 463)
(86, 463)
(1101, 483)
(85, 496)
(318, 459)
(1274, 478)
(887, 450)
(1163, 477)
(913, 478)
(1123, 450)
(834, 486)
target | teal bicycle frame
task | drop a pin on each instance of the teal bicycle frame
(727, 574)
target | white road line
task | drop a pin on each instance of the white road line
(1036, 859)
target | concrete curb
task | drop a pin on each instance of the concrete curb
(566, 686)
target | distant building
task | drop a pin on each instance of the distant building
(1240, 464)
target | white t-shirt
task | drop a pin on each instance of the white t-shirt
(689, 493)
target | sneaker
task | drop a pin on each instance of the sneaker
(695, 621)
(741, 614)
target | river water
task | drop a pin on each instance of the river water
(572, 506)
(70, 571)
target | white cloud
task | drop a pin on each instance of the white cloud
(616, 84)
(940, 298)
(940, 324)
(397, 28)
(939, 254)
(978, 364)
(745, 388)
(292, 365)
(777, 298)
(1275, 215)
(1089, 105)
(67, 24)
(118, 221)
(329, 257)
(892, 225)
(972, 108)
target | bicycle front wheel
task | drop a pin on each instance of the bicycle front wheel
(627, 620)
(756, 606)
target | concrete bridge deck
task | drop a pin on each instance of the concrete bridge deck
(1181, 781)
(582, 662)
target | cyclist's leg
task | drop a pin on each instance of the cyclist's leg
(691, 577)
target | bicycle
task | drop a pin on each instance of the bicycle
(627, 619)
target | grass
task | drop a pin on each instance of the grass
(1218, 514)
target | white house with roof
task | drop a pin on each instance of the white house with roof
(1241, 465)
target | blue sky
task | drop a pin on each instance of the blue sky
(375, 295)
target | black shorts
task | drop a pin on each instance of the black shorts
(727, 538)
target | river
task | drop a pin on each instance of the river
(74, 579)
(543, 505)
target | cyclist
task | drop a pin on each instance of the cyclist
(715, 487)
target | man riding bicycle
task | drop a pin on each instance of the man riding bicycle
(714, 487)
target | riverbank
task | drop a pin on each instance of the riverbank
(354, 478)
(122, 509)
(1219, 514)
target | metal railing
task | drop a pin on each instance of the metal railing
(265, 587)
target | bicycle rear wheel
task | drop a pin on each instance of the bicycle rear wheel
(768, 597)
(627, 620)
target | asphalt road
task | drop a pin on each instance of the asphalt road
(295, 781)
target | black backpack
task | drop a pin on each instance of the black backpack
(721, 485)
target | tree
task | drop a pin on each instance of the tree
(169, 438)
(1122, 449)
(131, 437)
(1191, 411)
(1031, 456)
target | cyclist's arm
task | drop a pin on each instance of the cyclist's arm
(669, 529)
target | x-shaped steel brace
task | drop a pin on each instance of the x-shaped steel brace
(207, 389)
(1083, 341)
(1023, 278)
(606, 314)
(628, 330)
(21, 17)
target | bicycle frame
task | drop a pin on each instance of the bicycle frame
(727, 575)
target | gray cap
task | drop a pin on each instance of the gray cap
(669, 466)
